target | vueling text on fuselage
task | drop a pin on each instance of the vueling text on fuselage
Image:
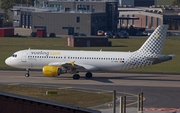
(45, 53)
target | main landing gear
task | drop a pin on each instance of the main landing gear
(76, 76)
(27, 73)
(88, 75)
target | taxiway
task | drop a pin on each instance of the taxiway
(160, 90)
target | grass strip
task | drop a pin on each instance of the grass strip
(70, 97)
(171, 46)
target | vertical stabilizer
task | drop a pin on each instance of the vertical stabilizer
(155, 42)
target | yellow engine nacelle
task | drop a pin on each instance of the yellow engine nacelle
(51, 71)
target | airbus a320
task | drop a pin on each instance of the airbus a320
(56, 62)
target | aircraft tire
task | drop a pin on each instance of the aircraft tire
(76, 76)
(88, 75)
(27, 75)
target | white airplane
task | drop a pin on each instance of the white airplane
(56, 62)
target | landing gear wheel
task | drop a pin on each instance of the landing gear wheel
(88, 75)
(27, 72)
(76, 76)
(27, 75)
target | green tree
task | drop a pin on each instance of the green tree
(29, 2)
(176, 2)
(7, 4)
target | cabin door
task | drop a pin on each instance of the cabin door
(24, 57)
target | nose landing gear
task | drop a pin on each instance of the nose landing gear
(27, 73)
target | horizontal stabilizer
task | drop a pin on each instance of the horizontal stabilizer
(161, 58)
(172, 55)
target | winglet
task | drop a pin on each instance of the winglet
(72, 63)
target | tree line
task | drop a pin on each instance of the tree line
(8, 4)
(176, 2)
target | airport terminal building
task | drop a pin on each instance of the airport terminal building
(149, 17)
(67, 17)
(138, 3)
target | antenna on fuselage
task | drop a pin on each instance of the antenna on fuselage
(29, 48)
(100, 50)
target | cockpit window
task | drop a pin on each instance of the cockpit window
(14, 55)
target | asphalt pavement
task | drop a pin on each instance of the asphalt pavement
(161, 91)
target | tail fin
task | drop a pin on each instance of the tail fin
(155, 42)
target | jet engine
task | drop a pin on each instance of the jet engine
(51, 71)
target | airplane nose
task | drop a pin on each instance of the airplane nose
(7, 61)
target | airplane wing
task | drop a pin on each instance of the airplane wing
(72, 65)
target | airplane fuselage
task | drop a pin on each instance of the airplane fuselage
(93, 60)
